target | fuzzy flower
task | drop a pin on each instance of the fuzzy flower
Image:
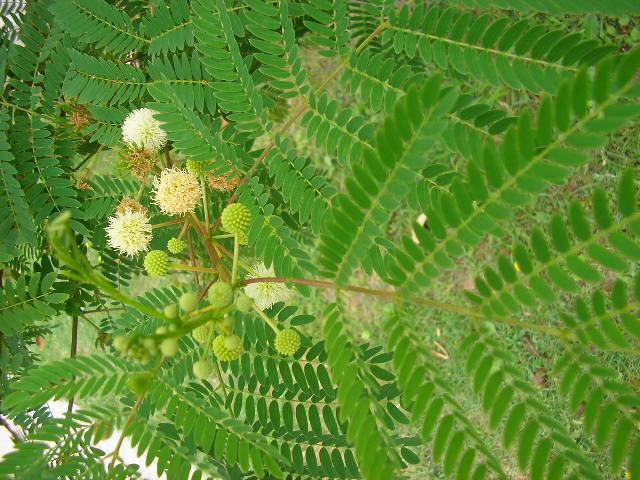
(177, 191)
(266, 294)
(141, 130)
(129, 232)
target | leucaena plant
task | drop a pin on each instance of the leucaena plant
(183, 173)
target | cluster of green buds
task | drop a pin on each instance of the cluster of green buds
(216, 335)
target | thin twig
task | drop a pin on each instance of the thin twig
(193, 261)
(14, 433)
(74, 349)
(556, 332)
(86, 159)
(132, 415)
(170, 222)
(101, 310)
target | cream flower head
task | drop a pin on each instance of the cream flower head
(266, 294)
(129, 232)
(141, 130)
(176, 191)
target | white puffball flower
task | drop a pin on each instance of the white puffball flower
(266, 294)
(129, 232)
(176, 191)
(141, 130)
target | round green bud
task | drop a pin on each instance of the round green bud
(188, 302)
(201, 334)
(287, 342)
(197, 168)
(120, 343)
(202, 369)
(175, 246)
(156, 262)
(236, 218)
(171, 311)
(140, 382)
(169, 347)
(244, 302)
(220, 294)
(227, 349)
(150, 344)
(162, 330)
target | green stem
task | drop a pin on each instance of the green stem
(87, 158)
(556, 332)
(220, 379)
(141, 190)
(236, 258)
(74, 349)
(132, 415)
(190, 268)
(266, 318)
(205, 205)
(225, 235)
(17, 107)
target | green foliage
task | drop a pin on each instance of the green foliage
(479, 115)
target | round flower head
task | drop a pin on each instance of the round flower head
(177, 191)
(202, 333)
(195, 167)
(227, 349)
(287, 342)
(141, 130)
(157, 262)
(175, 245)
(202, 369)
(129, 232)
(266, 294)
(236, 218)
(220, 294)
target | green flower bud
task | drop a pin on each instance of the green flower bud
(195, 167)
(188, 302)
(169, 347)
(236, 218)
(201, 334)
(202, 369)
(244, 302)
(175, 246)
(171, 311)
(140, 382)
(156, 263)
(220, 294)
(120, 343)
(287, 342)
(227, 349)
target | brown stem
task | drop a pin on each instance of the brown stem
(170, 222)
(213, 255)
